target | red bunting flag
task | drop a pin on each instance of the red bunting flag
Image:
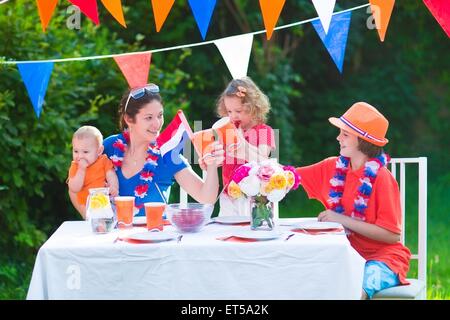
(440, 9)
(161, 9)
(381, 11)
(46, 9)
(115, 8)
(89, 8)
(135, 68)
(271, 10)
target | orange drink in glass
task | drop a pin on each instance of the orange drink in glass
(124, 207)
(202, 141)
(154, 213)
(227, 133)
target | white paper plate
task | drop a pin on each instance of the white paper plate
(316, 225)
(140, 220)
(232, 219)
(150, 236)
(257, 234)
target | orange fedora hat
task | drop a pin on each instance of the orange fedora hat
(365, 121)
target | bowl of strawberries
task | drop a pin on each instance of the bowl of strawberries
(189, 217)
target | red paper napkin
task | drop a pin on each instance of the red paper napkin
(134, 241)
(318, 231)
(236, 239)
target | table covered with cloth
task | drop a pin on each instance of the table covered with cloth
(75, 263)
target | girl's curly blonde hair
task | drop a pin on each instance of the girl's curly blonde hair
(253, 99)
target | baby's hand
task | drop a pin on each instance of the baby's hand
(113, 190)
(83, 164)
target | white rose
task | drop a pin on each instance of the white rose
(254, 169)
(250, 185)
(276, 195)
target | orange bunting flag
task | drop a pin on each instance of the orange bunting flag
(88, 7)
(271, 10)
(46, 9)
(135, 68)
(161, 9)
(381, 11)
(115, 8)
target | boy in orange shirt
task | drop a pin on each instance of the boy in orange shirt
(90, 168)
(359, 192)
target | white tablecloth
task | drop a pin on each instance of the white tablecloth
(74, 263)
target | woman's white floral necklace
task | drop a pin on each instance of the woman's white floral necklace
(337, 184)
(147, 172)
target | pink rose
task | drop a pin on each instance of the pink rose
(240, 173)
(297, 177)
(265, 172)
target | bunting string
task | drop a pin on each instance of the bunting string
(331, 27)
(191, 45)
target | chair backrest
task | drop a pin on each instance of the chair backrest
(184, 195)
(400, 176)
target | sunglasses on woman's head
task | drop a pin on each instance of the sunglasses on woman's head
(140, 92)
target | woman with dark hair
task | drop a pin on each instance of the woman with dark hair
(141, 170)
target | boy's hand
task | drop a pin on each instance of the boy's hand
(330, 216)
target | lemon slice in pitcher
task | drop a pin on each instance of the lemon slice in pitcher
(99, 201)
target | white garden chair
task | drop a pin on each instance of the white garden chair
(417, 289)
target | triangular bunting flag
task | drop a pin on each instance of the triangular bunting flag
(36, 76)
(46, 9)
(381, 11)
(89, 8)
(336, 39)
(115, 8)
(440, 9)
(236, 53)
(161, 9)
(325, 10)
(271, 10)
(202, 10)
(135, 68)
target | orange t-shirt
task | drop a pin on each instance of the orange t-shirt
(95, 176)
(383, 210)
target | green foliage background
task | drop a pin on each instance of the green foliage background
(407, 77)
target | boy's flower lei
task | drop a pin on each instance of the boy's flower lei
(337, 184)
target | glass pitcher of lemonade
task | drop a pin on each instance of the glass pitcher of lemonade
(99, 211)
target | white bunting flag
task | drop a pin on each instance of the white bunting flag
(325, 10)
(236, 53)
